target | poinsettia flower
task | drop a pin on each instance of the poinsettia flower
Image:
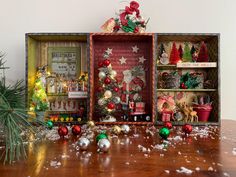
(128, 10)
(134, 5)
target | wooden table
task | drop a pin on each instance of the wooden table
(206, 156)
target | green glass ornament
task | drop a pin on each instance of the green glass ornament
(101, 136)
(49, 124)
(164, 132)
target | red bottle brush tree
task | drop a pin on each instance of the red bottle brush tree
(203, 53)
(174, 55)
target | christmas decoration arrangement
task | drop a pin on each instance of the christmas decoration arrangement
(203, 107)
(108, 89)
(188, 81)
(197, 53)
(39, 100)
(128, 20)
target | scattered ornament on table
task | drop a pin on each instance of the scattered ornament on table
(83, 143)
(135, 49)
(142, 59)
(116, 129)
(187, 128)
(164, 132)
(101, 136)
(122, 60)
(164, 58)
(125, 129)
(49, 124)
(62, 131)
(104, 145)
(168, 125)
(90, 124)
(184, 170)
(76, 129)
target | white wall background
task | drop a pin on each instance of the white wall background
(193, 16)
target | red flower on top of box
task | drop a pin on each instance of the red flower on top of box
(129, 20)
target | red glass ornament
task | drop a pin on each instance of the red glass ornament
(100, 63)
(187, 128)
(116, 89)
(100, 89)
(106, 62)
(110, 105)
(107, 80)
(63, 131)
(76, 129)
(168, 125)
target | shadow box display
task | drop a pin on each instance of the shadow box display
(188, 78)
(57, 76)
(122, 78)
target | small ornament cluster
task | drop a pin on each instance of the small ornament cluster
(39, 100)
(129, 20)
(108, 87)
(186, 55)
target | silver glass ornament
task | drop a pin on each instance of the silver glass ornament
(104, 145)
(83, 143)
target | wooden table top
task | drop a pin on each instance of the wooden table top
(205, 154)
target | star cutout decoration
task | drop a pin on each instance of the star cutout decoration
(135, 49)
(109, 51)
(122, 60)
(141, 59)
